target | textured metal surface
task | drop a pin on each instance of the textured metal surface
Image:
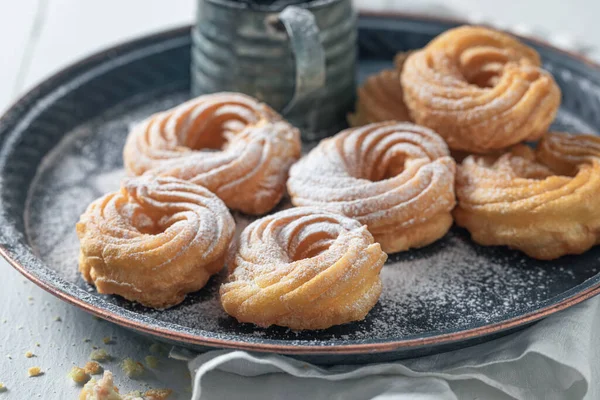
(309, 55)
(238, 48)
(100, 95)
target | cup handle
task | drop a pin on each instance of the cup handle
(303, 33)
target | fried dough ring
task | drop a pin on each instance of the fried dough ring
(154, 241)
(542, 202)
(480, 89)
(303, 268)
(255, 149)
(396, 178)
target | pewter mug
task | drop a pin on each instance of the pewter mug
(298, 56)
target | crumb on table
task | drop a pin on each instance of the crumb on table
(157, 348)
(34, 371)
(135, 395)
(79, 375)
(108, 340)
(104, 389)
(151, 361)
(99, 355)
(132, 368)
(29, 354)
(157, 394)
(92, 368)
(2, 387)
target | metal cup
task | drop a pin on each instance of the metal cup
(297, 56)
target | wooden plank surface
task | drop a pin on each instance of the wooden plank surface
(73, 29)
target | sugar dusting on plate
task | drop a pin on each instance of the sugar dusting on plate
(452, 284)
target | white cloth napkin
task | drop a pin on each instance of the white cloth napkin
(557, 358)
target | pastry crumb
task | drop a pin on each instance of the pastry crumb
(79, 375)
(35, 371)
(58, 319)
(92, 368)
(132, 368)
(37, 345)
(157, 348)
(99, 355)
(2, 387)
(135, 395)
(87, 340)
(107, 340)
(29, 354)
(157, 394)
(151, 361)
(104, 389)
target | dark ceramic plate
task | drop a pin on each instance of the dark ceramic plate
(60, 147)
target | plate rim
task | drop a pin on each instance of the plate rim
(170, 331)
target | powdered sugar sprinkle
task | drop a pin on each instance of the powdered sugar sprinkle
(452, 284)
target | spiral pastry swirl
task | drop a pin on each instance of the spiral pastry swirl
(254, 149)
(480, 89)
(303, 268)
(542, 202)
(564, 152)
(381, 97)
(154, 241)
(396, 178)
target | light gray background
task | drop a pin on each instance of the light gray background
(38, 37)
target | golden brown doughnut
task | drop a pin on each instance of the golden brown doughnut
(230, 143)
(396, 178)
(154, 241)
(303, 268)
(480, 89)
(542, 202)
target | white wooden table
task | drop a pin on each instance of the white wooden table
(38, 37)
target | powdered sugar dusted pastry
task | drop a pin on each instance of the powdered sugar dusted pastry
(303, 268)
(154, 241)
(480, 89)
(230, 143)
(543, 202)
(397, 178)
